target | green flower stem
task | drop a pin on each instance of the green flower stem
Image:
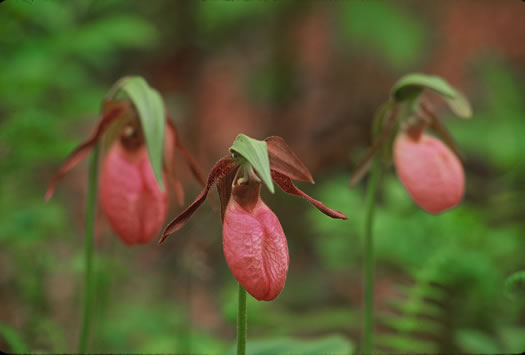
(89, 284)
(242, 322)
(369, 257)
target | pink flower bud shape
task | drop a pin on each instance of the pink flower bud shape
(130, 196)
(254, 243)
(430, 171)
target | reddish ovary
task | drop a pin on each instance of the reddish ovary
(255, 249)
(130, 196)
(430, 171)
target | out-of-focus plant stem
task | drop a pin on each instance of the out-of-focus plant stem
(368, 329)
(89, 282)
(242, 322)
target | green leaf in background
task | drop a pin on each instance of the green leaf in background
(515, 284)
(152, 115)
(254, 152)
(513, 338)
(475, 341)
(328, 345)
(122, 31)
(412, 85)
(216, 16)
(12, 339)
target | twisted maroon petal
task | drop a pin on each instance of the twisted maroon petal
(82, 151)
(366, 162)
(286, 184)
(441, 130)
(224, 188)
(284, 160)
(190, 161)
(221, 169)
(169, 162)
(177, 189)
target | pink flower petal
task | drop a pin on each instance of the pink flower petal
(430, 171)
(255, 249)
(130, 196)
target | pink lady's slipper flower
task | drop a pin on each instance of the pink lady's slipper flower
(431, 173)
(254, 243)
(429, 169)
(130, 196)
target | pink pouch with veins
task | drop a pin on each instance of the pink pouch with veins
(254, 244)
(431, 173)
(130, 196)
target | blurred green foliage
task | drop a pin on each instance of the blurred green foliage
(54, 55)
(220, 17)
(333, 345)
(456, 262)
(498, 121)
(389, 32)
(13, 340)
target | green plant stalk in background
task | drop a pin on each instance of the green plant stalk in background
(89, 282)
(368, 327)
(242, 322)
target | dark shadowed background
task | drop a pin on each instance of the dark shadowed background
(313, 72)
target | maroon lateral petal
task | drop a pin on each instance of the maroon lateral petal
(286, 184)
(224, 188)
(190, 161)
(222, 168)
(169, 163)
(178, 189)
(366, 162)
(82, 151)
(441, 130)
(285, 161)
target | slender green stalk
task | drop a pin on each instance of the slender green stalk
(369, 257)
(89, 285)
(242, 322)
